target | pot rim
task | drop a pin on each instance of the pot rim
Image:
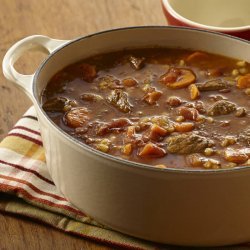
(84, 146)
(183, 19)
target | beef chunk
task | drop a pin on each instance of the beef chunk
(136, 62)
(188, 143)
(110, 82)
(116, 125)
(188, 113)
(221, 107)
(55, 104)
(77, 117)
(199, 105)
(161, 120)
(174, 101)
(216, 84)
(241, 112)
(88, 72)
(197, 160)
(245, 137)
(119, 99)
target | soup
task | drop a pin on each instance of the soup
(169, 108)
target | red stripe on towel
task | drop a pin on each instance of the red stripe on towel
(28, 196)
(37, 190)
(27, 129)
(38, 142)
(27, 170)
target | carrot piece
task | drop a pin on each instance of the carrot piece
(243, 82)
(177, 78)
(184, 127)
(156, 132)
(197, 56)
(159, 130)
(152, 150)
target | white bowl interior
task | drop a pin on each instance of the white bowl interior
(217, 13)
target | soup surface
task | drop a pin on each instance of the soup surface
(163, 107)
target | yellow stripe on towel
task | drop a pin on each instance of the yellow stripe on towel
(23, 147)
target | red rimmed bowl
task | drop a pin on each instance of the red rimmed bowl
(174, 206)
(226, 16)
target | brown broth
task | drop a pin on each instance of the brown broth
(70, 83)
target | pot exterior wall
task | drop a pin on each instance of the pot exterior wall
(168, 207)
(174, 207)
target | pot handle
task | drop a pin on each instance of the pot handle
(35, 42)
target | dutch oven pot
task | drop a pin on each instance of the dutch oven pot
(174, 206)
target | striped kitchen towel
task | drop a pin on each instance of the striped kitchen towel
(23, 173)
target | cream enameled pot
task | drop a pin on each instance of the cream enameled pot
(174, 206)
